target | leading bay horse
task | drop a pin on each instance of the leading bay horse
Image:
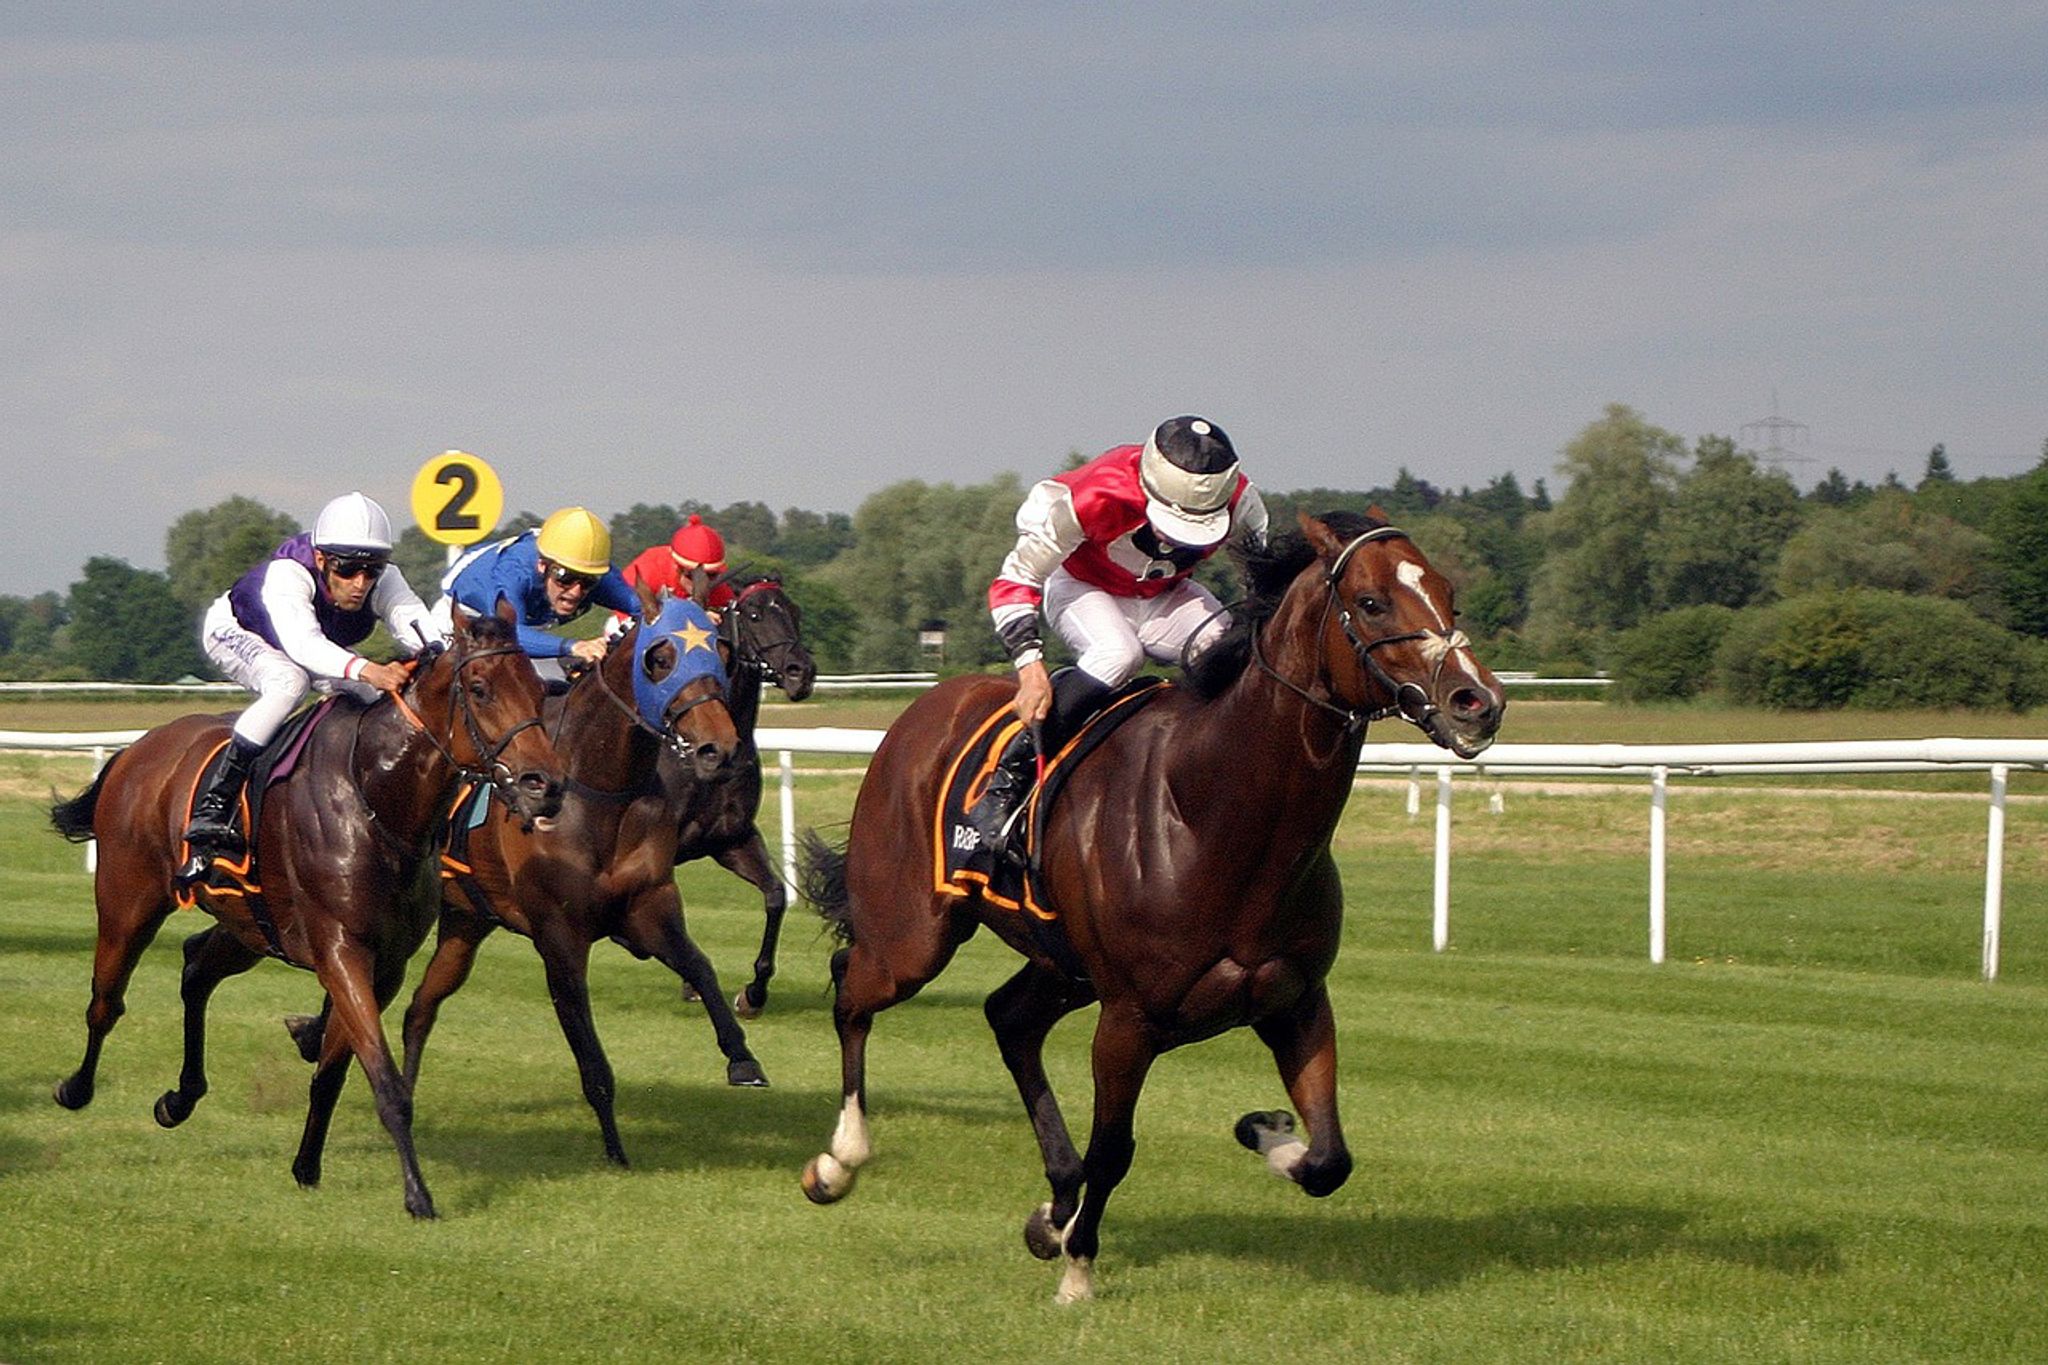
(343, 855)
(1188, 860)
(638, 735)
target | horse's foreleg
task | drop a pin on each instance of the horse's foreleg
(1123, 1054)
(211, 956)
(565, 953)
(1022, 1012)
(654, 926)
(455, 947)
(350, 974)
(1304, 1044)
(751, 862)
(127, 924)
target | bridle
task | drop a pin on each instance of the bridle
(747, 655)
(1411, 701)
(488, 767)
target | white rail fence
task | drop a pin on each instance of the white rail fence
(1657, 763)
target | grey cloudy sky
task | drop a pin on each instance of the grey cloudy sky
(793, 253)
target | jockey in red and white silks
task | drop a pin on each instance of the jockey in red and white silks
(1108, 551)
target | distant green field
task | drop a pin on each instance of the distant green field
(1812, 1135)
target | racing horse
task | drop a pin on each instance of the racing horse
(639, 735)
(335, 886)
(1188, 862)
(760, 634)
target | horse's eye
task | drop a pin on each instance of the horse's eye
(1370, 605)
(478, 690)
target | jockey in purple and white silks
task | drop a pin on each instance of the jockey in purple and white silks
(288, 625)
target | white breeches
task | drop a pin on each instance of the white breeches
(1113, 636)
(249, 659)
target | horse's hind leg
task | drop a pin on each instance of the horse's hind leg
(864, 984)
(654, 926)
(127, 924)
(211, 956)
(750, 861)
(1304, 1044)
(1022, 1011)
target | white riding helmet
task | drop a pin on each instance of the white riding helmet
(352, 525)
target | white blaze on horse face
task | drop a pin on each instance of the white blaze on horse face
(1436, 646)
(1411, 575)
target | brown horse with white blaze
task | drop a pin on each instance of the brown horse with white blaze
(343, 855)
(1188, 860)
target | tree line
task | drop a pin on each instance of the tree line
(1682, 571)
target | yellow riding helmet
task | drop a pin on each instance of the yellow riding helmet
(575, 539)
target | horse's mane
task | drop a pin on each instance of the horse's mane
(1268, 573)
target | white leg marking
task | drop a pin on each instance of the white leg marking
(1077, 1282)
(850, 1138)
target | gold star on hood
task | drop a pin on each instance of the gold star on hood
(693, 637)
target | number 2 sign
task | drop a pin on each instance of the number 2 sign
(456, 498)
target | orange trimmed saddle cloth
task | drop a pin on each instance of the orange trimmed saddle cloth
(961, 865)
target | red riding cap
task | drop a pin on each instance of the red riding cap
(696, 545)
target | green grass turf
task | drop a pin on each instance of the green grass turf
(1812, 1135)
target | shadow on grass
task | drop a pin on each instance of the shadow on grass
(1423, 1255)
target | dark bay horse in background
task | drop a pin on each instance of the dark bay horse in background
(1189, 863)
(640, 736)
(344, 858)
(762, 636)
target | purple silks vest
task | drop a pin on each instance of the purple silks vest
(345, 628)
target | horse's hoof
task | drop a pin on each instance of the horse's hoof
(172, 1109)
(743, 1004)
(690, 996)
(72, 1093)
(1266, 1124)
(745, 1071)
(307, 1174)
(1041, 1238)
(422, 1211)
(826, 1181)
(305, 1033)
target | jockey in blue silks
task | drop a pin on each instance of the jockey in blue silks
(551, 576)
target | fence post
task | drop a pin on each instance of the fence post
(1994, 871)
(1658, 792)
(1442, 924)
(789, 820)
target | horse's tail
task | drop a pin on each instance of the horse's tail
(824, 884)
(73, 818)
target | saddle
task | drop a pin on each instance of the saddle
(962, 866)
(239, 877)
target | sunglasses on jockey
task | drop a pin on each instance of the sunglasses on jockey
(356, 566)
(566, 577)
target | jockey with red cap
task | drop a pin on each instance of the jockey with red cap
(671, 568)
(1108, 551)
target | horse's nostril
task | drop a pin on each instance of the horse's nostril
(1467, 702)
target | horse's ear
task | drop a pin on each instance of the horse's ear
(508, 613)
(700, 587)
(650, 602)
(1379, 514)
(1323, 540)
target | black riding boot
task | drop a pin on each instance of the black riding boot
(1075, 695)
(212, 833)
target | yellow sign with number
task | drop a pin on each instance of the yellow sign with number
(456, 498)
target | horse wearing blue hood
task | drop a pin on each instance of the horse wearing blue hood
(638, 735)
